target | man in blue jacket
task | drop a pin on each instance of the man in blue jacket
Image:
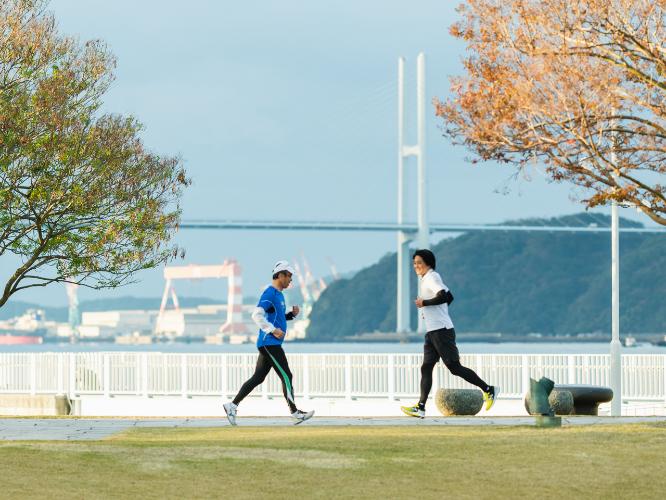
(271, 317)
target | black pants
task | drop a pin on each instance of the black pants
(441, 344)
(271, 356)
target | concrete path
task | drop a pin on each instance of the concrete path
(80, 429)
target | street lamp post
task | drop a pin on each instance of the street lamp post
(615, 346)
(616, 357)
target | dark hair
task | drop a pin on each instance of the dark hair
(277, 275)
(427, 256)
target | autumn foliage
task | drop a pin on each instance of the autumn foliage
(578, 86)
(81, 198)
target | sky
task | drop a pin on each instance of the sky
(287, 111)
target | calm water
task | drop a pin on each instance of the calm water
(465, 348)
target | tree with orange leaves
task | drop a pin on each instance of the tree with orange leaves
(579, 86)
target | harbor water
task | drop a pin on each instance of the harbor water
(343, 347)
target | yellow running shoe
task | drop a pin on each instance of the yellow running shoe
(490, 396)
(413, 411)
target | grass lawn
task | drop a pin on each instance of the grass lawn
(614, 461)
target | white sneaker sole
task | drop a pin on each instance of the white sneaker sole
(307, 416)
(232, 420)
(412, 415)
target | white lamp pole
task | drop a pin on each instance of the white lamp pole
(615, 346)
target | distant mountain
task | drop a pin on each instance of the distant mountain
(515, 282)
(15, 308)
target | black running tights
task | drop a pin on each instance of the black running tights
(441, 344)
(271, 356)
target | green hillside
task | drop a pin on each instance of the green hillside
(515, 282)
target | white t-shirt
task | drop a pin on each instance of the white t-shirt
(436, 317)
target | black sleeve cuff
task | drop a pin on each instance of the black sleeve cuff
(442, 297)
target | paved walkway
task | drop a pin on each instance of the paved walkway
(80, 429)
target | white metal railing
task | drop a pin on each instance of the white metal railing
(315, 375)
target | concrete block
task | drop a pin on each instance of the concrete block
(34, 405)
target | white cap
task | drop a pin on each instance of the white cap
(282, 265)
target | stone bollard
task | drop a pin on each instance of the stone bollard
(458, 401)
(560, 401)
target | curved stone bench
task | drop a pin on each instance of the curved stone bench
(587, 398)
(458, 401)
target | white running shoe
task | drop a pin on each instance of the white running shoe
(230, 410)
(301, 416)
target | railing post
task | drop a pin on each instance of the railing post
(571, 369)
(144, 374)
(306, 376)
(60, 388)
(391, 377)
(525, 374)
(664, 386)
(225, 382)
(348, 376)
(72, 375)
(33, 374)
(106, 369)
(183, 375)
(585, 374)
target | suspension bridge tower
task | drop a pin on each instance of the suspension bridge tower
(405, 152)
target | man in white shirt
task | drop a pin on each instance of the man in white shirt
(440, 340)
